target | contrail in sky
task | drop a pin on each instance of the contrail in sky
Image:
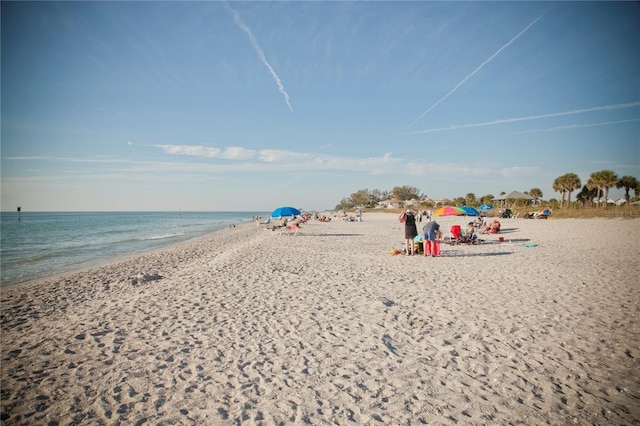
(474, 72)
(579, 126)
(531, 117)
(244, 27)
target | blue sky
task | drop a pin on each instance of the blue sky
(253, 105)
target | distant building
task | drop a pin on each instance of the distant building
(442, 202)
(392, 203)
(513, 195)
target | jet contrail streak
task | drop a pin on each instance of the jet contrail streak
(244, 27)
(531, 117)
(474, 72)
(578, 126)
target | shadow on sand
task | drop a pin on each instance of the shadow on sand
(459, 253)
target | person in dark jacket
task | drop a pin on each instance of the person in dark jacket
(410, 230)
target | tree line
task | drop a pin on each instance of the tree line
(596, 188)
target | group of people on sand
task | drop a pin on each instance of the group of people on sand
(322, 218)
(493, 228)
(432, 235)
(469, 231)
(292, 222)
(430, 232)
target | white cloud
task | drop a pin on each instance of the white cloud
(194, 150)
(271, 161)
(445, 169)
(517, 171)
(279, 156)
(238, 153)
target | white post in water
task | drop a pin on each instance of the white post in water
(19, 209)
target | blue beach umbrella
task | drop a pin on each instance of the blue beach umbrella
(485, 207)
(285, 212)
(470, 211)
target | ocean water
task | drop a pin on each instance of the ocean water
(46, 243)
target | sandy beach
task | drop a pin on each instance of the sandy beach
(249, 326)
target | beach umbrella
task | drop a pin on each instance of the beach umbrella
(470, 211)
(285, 212)
(448, 211)
(485, 207)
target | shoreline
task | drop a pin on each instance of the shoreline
(24, 271)
(247, 325)
(116, 261)
(105, 262)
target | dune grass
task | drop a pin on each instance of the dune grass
(622, 212)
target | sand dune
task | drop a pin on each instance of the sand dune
(326, 327)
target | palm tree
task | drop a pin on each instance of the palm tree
(604, 179)
(627, 182)
(558, 186)
(594, 183)
(487, 199)
(535, 193)
(608, 179)
(470, 199)
(571, 183)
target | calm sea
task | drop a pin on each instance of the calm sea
(46, 243)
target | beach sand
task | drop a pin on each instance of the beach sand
(326, 327)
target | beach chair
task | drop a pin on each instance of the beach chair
(457, 237)
(290, 229)
(472, 239)
(455, 230)
(454, 235)
(544, 214)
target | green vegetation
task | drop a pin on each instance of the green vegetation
(566, 184)
(587, 204)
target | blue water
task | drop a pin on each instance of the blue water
(46, 243)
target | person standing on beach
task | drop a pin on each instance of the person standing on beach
(410, 230)
(430, 247)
